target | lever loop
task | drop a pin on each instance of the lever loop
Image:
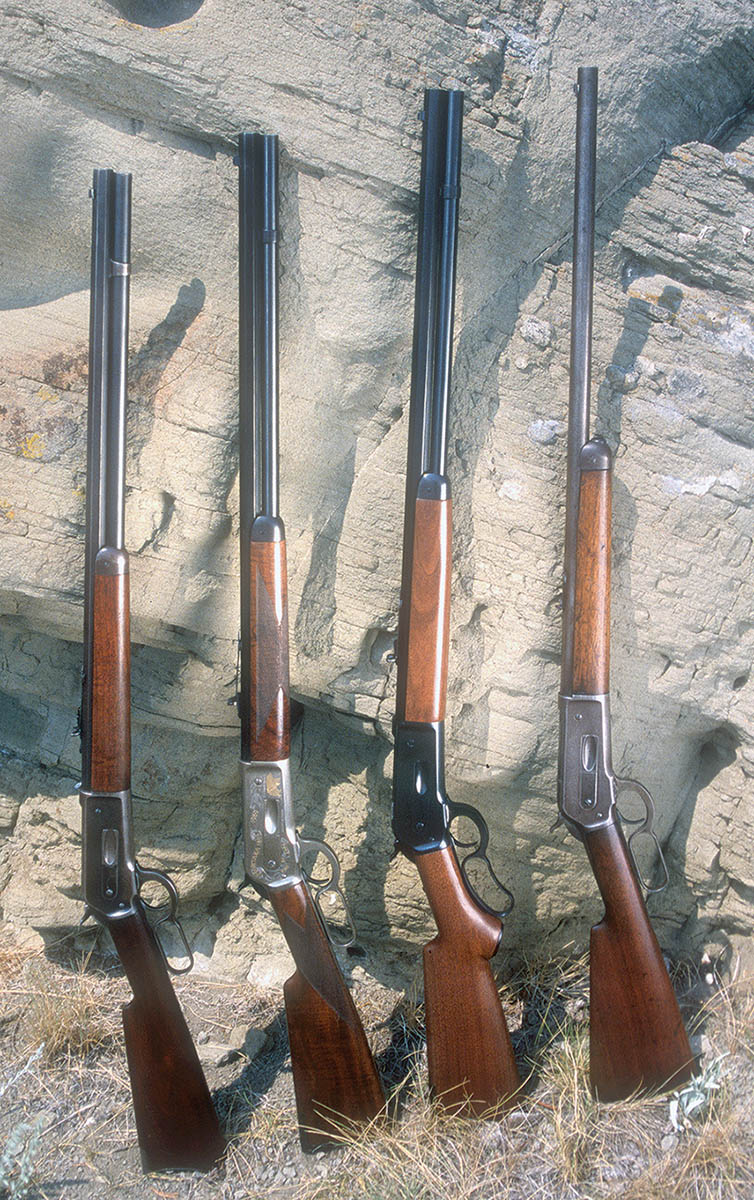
(478, 850)
(645, 825)
(145, 875)
(319, 886)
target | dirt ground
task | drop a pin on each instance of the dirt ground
(67, 1130)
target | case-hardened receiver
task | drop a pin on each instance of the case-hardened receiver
(274, 855)
(589, 789)
(112, 877)
(423, 815)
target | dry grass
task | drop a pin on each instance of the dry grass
(558, 1144)
(561, 1144)
(70, 1019)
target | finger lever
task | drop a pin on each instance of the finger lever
(319, 886)
(645, 825)
(478, 851)
(145, 875)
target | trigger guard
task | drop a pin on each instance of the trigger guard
(318, 889)
(476, 818)
(308, 845)
(143, 875)
(630, 785)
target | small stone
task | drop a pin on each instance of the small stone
(237, 1035)
(669, 1142)
(254, 1042)
(538, 333)
(202, 1038)
(217, 1054)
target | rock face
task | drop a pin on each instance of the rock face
(163, 90)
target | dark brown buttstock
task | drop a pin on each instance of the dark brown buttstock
(470, 1056)
(111, 674)
(591, 629)
(270, 739)
(176, 1122)
(429, 615)
(334, 1074)
(637, 1036)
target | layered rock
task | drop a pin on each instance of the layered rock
(163, 91)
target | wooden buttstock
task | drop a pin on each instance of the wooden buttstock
(429, 613)
(637, 1036)
(111, 674)
(470, 1056)
(336, 1081)
(270, 733)
(591, 630)
(176, 1122)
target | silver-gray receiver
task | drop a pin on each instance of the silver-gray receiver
(589, 789)
(275, 855)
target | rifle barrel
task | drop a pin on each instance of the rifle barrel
(446, 279)
(258, 325)
(258, 376)
(433, 320)
(581, 340)
(108, 353)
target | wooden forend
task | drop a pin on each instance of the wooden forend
(111, 683)
(429, 615)
(270, 734)
(591, 639)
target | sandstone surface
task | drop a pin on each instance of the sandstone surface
(162, 90)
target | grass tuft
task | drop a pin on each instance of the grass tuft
(71, 1018)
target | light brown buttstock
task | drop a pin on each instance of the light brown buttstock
(429, 614)
(334, 1074)
(469, 1051)
(111, 679)
(637, 1036)
(270, 734)
(591, 637)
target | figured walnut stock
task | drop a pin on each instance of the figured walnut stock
(637, 1037)
(334, 1074)
(111, 675)
(270, 734)
(176, 1123)
(470, 1056)
(429, 613)
(591, 630)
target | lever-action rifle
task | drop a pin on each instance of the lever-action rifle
(176, 1124)
(470, 1056)
(637, 1037)
(334, 1074)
